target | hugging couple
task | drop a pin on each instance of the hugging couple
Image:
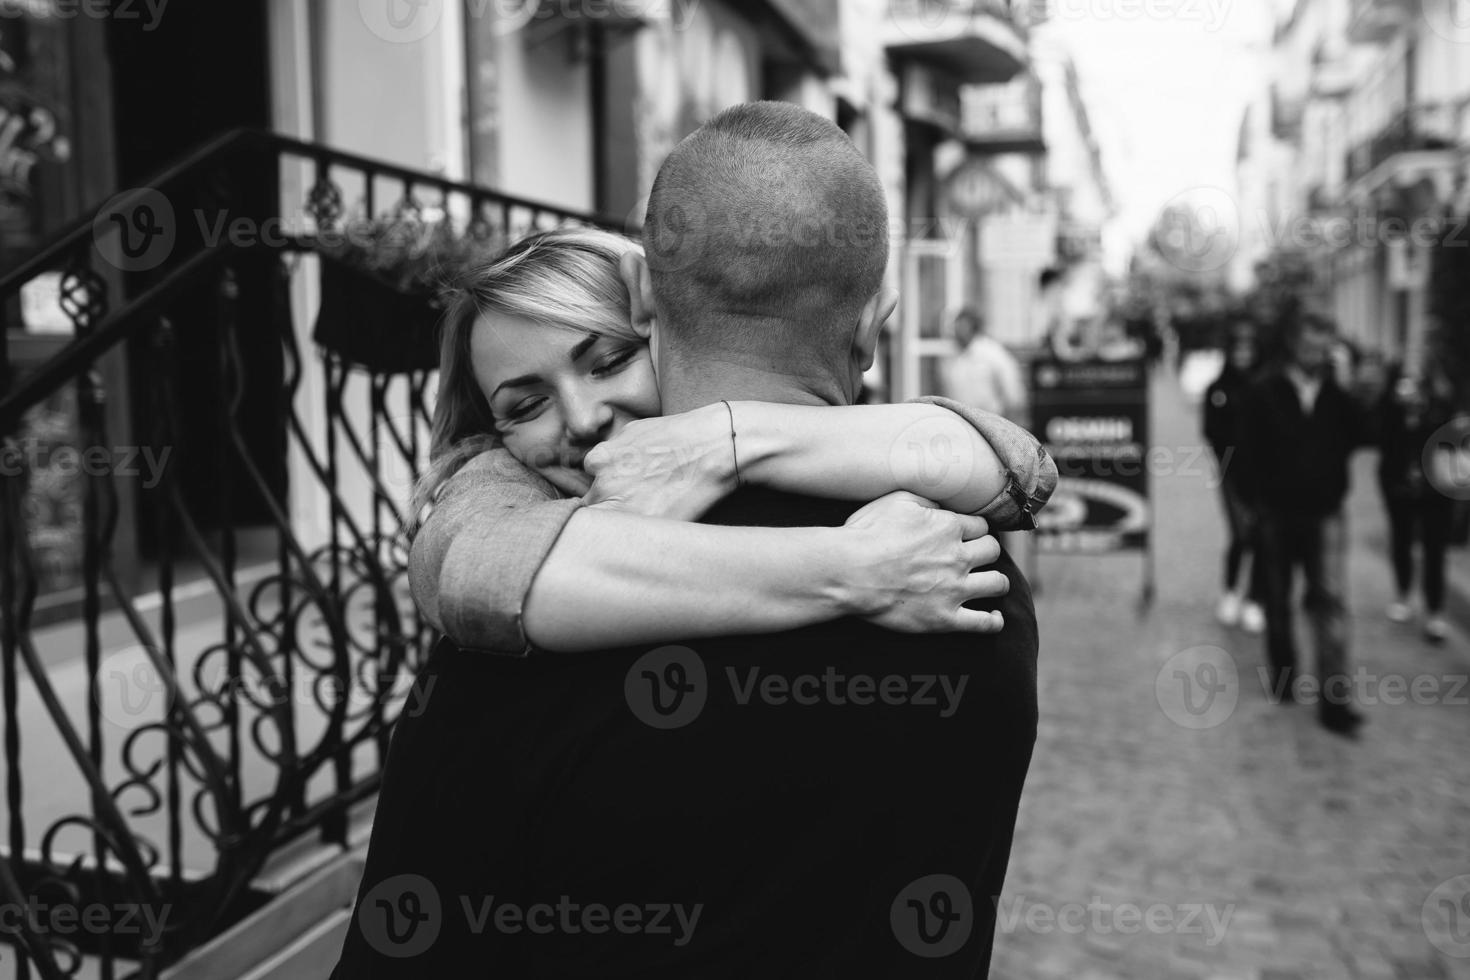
(735, 680)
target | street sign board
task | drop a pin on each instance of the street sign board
(1092, 416)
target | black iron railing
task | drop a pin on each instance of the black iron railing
(1427, 126)
(159, 760)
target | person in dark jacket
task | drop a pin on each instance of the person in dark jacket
(1411, 409)
(1239, 604)
(1298, 428)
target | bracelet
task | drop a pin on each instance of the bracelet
(734, 454)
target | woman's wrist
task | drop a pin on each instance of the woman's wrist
(759, 438)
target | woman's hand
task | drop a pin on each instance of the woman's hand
(912, 569)
(674, 466)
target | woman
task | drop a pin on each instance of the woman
(540, 363)
(1237, 606)
(1410, 411)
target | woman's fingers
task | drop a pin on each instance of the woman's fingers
(982, 551)
(986, 585)
(972, 526)
(978, 621)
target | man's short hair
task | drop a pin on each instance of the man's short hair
(766, 234)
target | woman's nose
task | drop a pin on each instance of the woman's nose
(587, 420)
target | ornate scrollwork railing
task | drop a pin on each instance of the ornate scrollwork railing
(199, 712)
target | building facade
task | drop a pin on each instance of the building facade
(1362, 167)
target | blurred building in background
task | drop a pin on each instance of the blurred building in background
(1353, 164)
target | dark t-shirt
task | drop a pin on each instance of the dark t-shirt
(834, 801)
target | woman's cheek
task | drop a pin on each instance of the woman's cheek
(643, 396)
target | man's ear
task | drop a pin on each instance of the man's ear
(634, 270)
(870, 326)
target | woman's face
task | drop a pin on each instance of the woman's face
(557, 393)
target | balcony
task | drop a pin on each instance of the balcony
(975, 42)
(1377, 21)
(998, 119)
(1332, 74)
(1420, 128)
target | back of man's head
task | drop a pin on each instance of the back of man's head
(766, 234)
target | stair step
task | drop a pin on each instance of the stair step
(305, 855)
(311, 956)
(296, 915)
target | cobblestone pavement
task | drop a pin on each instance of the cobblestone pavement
(1178, 824)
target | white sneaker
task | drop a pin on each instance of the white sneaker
(1228, 610)
(1252, 617)
(1399, 612)
(1436, 629)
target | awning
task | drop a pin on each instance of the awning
(978, 43)
(817, 23)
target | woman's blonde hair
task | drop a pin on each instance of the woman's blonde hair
(566, 279)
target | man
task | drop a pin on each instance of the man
(1298, 428)
(834, 801)
(984, 374)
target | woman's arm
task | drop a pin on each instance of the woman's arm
(501, 563)
(962, 459)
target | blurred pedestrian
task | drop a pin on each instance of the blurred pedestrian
(984, 374)
(1413, 406)
(1298, 428)
(1240, 603)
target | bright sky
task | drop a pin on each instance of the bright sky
(1166, 83)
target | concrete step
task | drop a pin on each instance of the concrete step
(288, 935)
(311, 956)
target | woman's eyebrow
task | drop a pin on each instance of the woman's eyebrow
(581, 347)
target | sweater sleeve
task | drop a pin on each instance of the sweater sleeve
(473, 560)
(1031, 472)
